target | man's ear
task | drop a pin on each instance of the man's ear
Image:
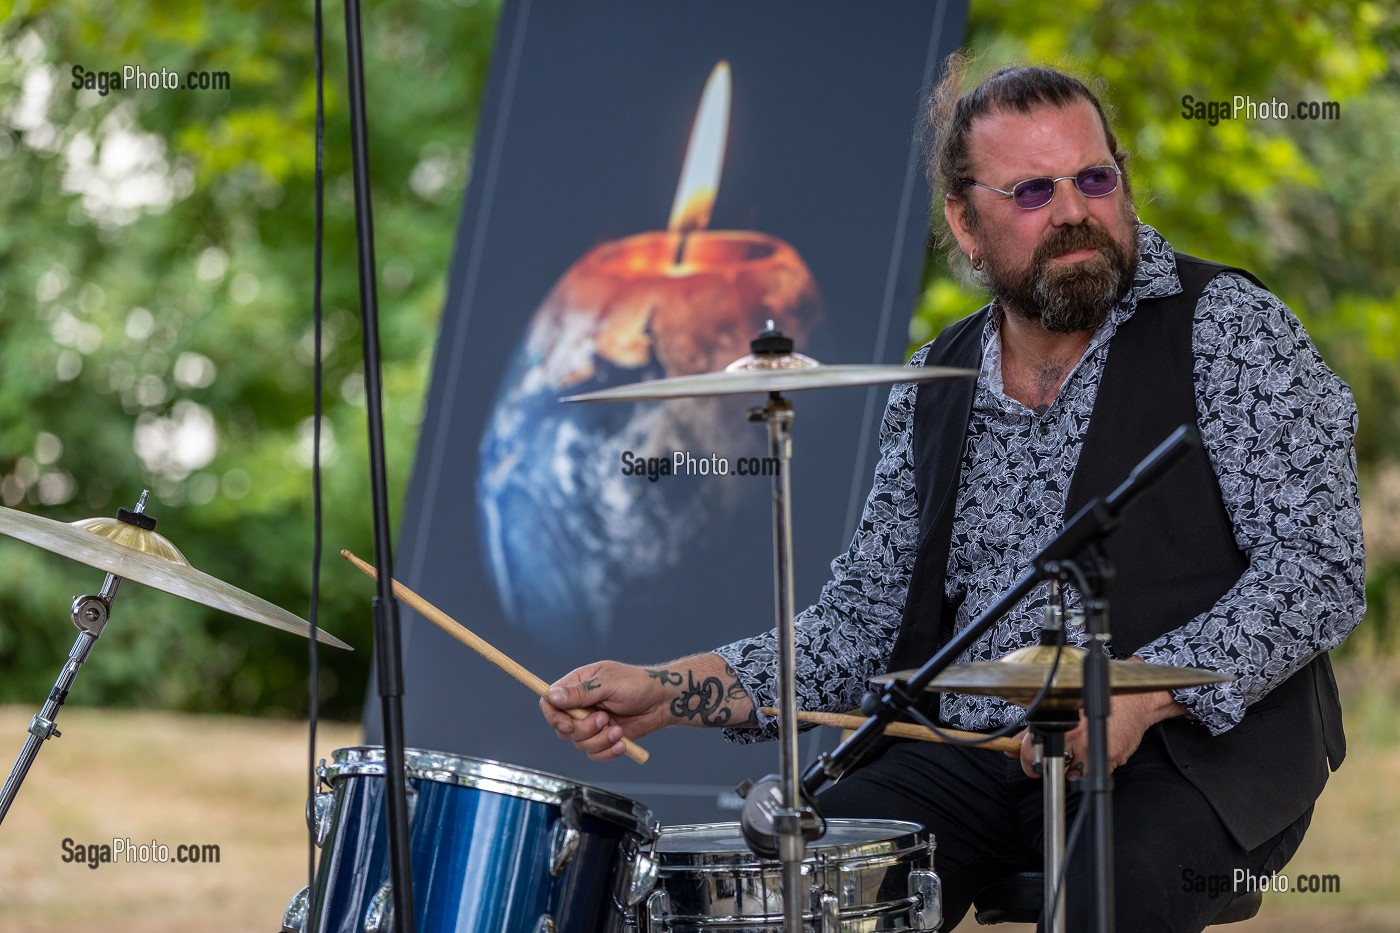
(955, 212)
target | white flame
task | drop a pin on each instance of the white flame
(704, 156)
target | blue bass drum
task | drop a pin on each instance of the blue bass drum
(493, 848)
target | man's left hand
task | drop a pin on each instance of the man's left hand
(1130, 716)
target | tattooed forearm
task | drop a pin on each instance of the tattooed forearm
(702, 700)
(706, 701)
(670, 678)
(736, 691)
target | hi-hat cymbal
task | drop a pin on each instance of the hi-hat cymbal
(1020, 675)
(134, 553)
(739, 382)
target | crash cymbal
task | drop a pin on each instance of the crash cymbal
(739, 382)
(139, 554)
(1020, 675)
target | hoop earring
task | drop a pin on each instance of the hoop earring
(977, 263)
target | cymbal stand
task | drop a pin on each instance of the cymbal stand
(1049, 727)
(790, 819)
(1048, 724)
(90, 614)
(1093, 575)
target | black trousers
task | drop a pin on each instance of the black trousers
(1174, 863)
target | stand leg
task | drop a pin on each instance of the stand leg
(41, 727)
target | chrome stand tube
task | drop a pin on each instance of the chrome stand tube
(1052, 765)
(787, 822)
(90, 614)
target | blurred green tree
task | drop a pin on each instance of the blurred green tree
(156, 314)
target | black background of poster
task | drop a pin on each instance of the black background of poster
(582, 134)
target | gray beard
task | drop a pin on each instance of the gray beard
(1080, 299)
(1069, 300)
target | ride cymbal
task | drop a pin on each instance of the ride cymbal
(738, 382)
(135, 553)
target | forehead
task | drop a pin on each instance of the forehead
(1009, 146)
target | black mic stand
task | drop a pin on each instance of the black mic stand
(387, 643)
(1076, 553)
(1092, 574)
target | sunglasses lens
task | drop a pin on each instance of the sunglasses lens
(1096, 182)
(1033, 193)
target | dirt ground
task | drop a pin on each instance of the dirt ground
(239, 784)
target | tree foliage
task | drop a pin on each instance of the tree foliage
(156, 314)
(156, 263)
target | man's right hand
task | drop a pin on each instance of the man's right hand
(632, 701)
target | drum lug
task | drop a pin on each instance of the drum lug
(928, 913)
(294, 917)
(828, 908)
(320, 813)
(545, 924)
(379, 915)
(657, 912)
(642, 879)
(565, 837)
(563, 846)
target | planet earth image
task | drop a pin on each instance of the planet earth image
(571, 521)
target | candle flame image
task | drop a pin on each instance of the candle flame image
(704, 156)
(568, 539)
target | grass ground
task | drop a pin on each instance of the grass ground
(240, 784)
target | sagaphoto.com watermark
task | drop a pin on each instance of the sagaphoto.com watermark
(1244, 107)
(138, 78)
(687, 463)
(124, 851)
(1243, 881)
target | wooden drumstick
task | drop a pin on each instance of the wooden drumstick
(482, 647)
(905, 730)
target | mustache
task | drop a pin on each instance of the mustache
(1069, 239)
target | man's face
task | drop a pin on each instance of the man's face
(1065, 264)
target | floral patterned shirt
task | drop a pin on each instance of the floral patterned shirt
(1277, 425)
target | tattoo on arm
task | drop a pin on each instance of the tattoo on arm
(708, 700)
(736, 691)
(670, 678)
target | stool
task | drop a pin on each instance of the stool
(1016, 898)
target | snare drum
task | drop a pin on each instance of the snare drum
(492, 848)
(862, 875)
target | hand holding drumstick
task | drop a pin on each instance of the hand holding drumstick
(486, 650)
(597, 707)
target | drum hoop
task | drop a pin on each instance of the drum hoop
(495, 777)
(900, 840)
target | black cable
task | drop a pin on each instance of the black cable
(317, 516)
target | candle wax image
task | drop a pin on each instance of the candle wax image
(567, 534)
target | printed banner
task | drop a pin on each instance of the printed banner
(652, 186)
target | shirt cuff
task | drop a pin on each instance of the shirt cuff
(1218, 707)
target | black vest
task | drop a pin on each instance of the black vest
(1174, 554)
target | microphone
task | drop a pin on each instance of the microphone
(762, 800)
